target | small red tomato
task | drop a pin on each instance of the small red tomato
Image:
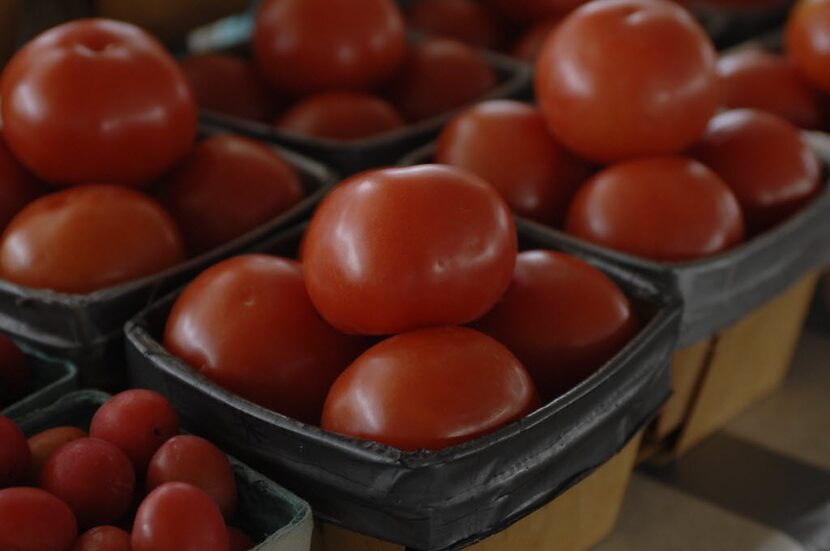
(763, 159)
(430, 389)
(103, 538)
(247, 324)
(467, 21)
(179, 517)
(226, 187)
(507, 144)
(627, 78)
(240, 541)
(392, 250)
(806, 39)
(44, 444)
(34, 520)
(96, 100)
(341, 116)
(14, 454)
(17, 186)
(308, 46)
(83, 239)
(93, 477)
(530, 43)
(662, 208)
(14, 372)
(440, 75)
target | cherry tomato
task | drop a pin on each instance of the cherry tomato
(95, 100)
(17, 186)
(628, 78)
(14, 372)
(229, 85)
(507, 143)
(530, 43)
(430, 389)
(663, 208)
(529, 11)
(341, 116)
(807, 37)
(764, 160)
(240, 541)
(137, 421)
(14, 453)
(467, 21)
(34, 520)
(179, 517)
(44, 444)
(103, 538)
(440, 75)
(226, 187)
(397, 249)
(308, 46)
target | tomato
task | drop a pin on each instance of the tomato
(770, 168)
(807, 40)
(341, 116)
(529, 11)
(530, 43)
(507, 143)
(391, 250)
(179, 517)
(239, 540)
(33, 520)
(664, 208)
(308, 46)
(137, 421)
(95, 100)
(226, 187)
(229, 85)
(467, 21)
(44, 444)
(440, 75)
(86, 238)
(17, 186)
(103, 538)
(14, 372)
(627, 78)
(14, 453)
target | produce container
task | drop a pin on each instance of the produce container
(455, 497)
(51, 378)
(275, 518)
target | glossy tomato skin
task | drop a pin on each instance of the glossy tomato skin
(103, 538)
(392, 250)
(44, 444)
(440, 75)
(227, 186)
(342, 116)
(239, 540)
(669, 209)
(562, 318)
(530, 43)
(95, 100)
(508, 145)
(247, 324)
(179, 517)
(83, 239)
(14, 453)
(18, 187)
(627, 78)
(14, 371)
(764, 160)
(467, 21)
(34, 520)
(806, 38)
(431, 389)
(308, 46)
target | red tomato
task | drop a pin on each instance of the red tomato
(467, 21)
(341, 116)
(530, 43)
(44, 444)
(438, 76)
(397, 249)
(240, 541)
(17, 186)
(247, 324)
(507, 143)
(762, 157)
(179, 517)
(562, 318)
(198, 462)
(431, 389)
(309, 46)
(103, 538)
(229, 85)
(14, 372)
(528, 11)
(663, 208)
(137, 421)
(228, 186)
(627, 78)
(33, 520)
(93, 477)
(807, 38)
(95, 100)
(87, 238)
(14, 454)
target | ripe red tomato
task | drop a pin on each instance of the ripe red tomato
(467, 21)
(83, 239)
(137, 421)
(247, 324)
(103, 538)
(96, 100)
(179, 517)
(308, 46)
(440, 75)
(14, 453)
(507, 144)
(341, 116)
(17, 186)
(530, 43)
(33, 520)
(397, 249)
(430, 389)
(44, 444)
(627, 78)
(763, 159)
(529, 11)
(226, 187)
(806, 39)
(664, 208)
(240, 541)
(14, 372)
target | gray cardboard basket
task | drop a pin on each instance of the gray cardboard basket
(51, 378)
